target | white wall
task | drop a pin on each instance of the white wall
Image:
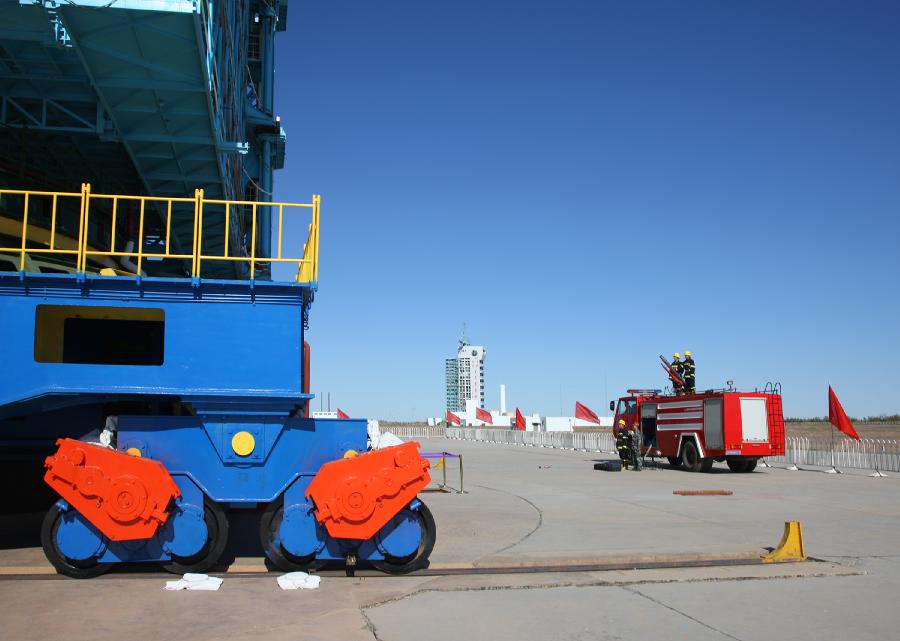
(568, 423)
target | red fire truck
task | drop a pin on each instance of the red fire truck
(695, 430)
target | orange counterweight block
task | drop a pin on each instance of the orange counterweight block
(125, 497)
(355, 497)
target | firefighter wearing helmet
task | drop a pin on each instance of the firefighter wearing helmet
(678, 368)
(690, 382)
(623, 447)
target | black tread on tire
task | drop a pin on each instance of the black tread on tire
(275, 552)
(418, 559)
(690, 458)
(208, 556)
(69, 567)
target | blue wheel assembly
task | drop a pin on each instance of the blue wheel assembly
(407, 540)
(71, 544)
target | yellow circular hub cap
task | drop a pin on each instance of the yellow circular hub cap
(243, 443)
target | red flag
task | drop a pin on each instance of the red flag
(453, 418)
(520, 420)
(483, 415)
(838, 417)
(342, 414)
(585, 413)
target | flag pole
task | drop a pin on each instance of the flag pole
(833, 469)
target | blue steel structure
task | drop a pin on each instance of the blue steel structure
(190, 361)
(151, 97)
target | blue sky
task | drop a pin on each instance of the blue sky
(588, 185)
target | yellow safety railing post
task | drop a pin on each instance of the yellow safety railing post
(227, 228)
(198, 206)
(24, 234)
(112, 227)
(140, 240)
(168, 226)
(53, 223)
(317, 204)
(280, 222)
(200, 237)
(81, 264)
(253, 246)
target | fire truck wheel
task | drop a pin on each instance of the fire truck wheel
(674, 461)
(690, 458)
(742, 465)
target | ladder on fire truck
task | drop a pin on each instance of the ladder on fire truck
(775, 413)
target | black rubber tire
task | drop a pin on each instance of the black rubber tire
(751, 465)
(217, 538)
(737, 465)
(690, 457)
(706, 465)
(674, 461)
(418, 559)
(64, 565)
(277, 555)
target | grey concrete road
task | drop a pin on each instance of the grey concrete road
(529, 506)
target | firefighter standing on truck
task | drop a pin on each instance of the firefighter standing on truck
(677, 368)
(690, 382)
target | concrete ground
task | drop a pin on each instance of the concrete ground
(533, 506)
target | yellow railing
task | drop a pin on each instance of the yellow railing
(85, 209)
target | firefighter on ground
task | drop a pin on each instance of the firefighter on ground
(678, 368)
(690, 381)
(623, 447)
(636, 462)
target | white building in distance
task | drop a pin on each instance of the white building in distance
(464, 377)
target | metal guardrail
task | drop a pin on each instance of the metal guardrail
(416, 431)
(586, 441)
(104, 209)
(867, 454)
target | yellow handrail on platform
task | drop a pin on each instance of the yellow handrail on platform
(78, 245)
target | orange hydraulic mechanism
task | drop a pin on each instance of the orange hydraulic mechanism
(126, 497)
(355, 497)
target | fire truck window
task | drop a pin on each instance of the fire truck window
(632, 407)
(621, 408)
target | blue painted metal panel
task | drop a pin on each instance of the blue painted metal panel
(201, 449)
(226, 343)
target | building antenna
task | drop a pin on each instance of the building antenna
(463, 341)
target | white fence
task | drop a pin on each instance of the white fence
(868, 454)
(415, 431)
(587, 441)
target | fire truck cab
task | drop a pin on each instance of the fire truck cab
(696, 430)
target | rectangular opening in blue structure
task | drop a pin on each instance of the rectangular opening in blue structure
(99, 335)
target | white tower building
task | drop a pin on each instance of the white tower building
(464, 376)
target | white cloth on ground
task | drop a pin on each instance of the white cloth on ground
(299, 581)
(191, 581)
